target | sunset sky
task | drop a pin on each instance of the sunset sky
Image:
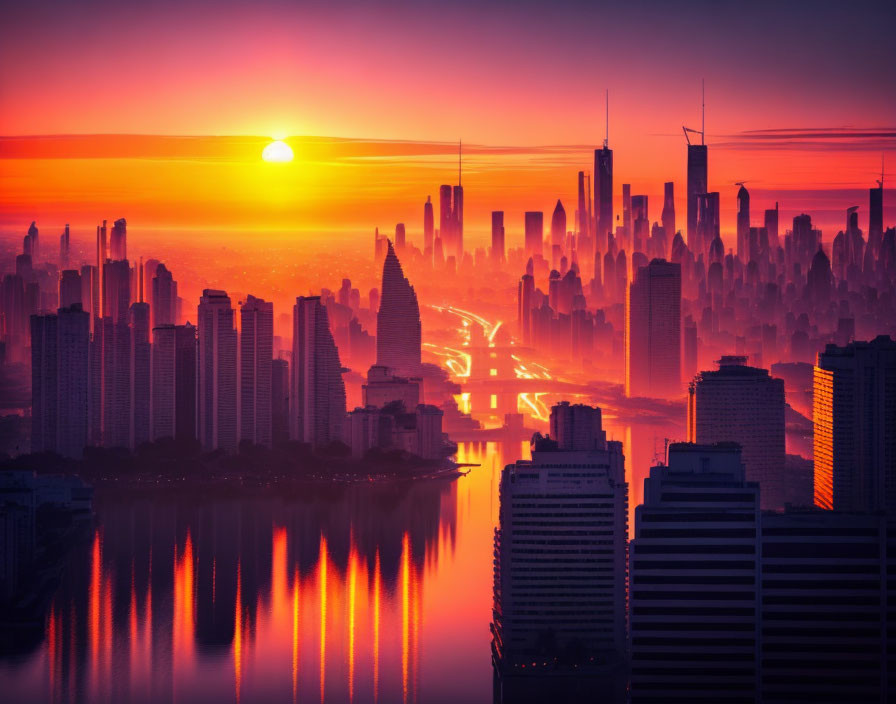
(373, 96)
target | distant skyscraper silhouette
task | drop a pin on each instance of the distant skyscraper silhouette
(771, 225)
(69, 288)
(164, 297)
(497, 236)
(256, 357)
(668, 215)
(217, 397)
(653, 331)
(745, 405)
(558, 226)
(317, 397)
(174, 382)
(400, 237)
(118, 240)
(398, 333)
(698, 183)
(743, 224)
(534, 233)
(140, 375)
(854, 413)
(603, 184)
(428, 227)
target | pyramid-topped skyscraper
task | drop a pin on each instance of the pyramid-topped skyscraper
(398, 321)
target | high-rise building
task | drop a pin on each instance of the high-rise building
(694, 579)
(140, 375)
(626, 215)
(698, 183)
(317, 396)
(217, 396)
(256, 357)
(771, 225)
(446, 214)
(279, 401)
(577, 427)
(824, 619)
(668, 215)
(653, 331)
(65, 248)
(174, 382)
(854, 413)
(164, 297)
(560, 561)
(428, 227)
(398, 332)
(743, 223)
(876, 215)
(118, 240)
(558, 226)
(534, 240)
(69, 288)
(745, 405)
(582, 225)
(73, 379)
(640, 224)
(497, 237)
(116, 290)
(708, 223)
(603, 191)
(400, 237)
(44, 382)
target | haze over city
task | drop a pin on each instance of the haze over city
(379, 352)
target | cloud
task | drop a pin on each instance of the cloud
(844, 139)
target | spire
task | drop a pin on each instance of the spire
(702, 111)
(459, 160)
(607, 137)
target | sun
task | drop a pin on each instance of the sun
(277, 151)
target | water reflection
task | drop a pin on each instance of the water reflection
(316, 596)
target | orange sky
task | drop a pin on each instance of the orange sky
(799, 98)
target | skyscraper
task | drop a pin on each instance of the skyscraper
(400, 236)
(217, 397)
(560, 560)
(69, 288)
(398, 333)
(708, 222)
(44, 382)
(558, 226)
(603, 184)
(534, 238)
(876, 215)
(698, 182)
(582, 225)
(854, 413)
(73, 379)
(446, 215)
(497, 236)
(771, 225)
(256, 357)
(428, 227)
(694, 575)
(118, 240)
(116, 354)
(140, 375)
(653, 331)
(743, 224)
(745, 405)
(174, 382)
(64, 247)
(668, 215)
(317, 397)
(164, 297)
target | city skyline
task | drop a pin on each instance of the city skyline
(409, 352)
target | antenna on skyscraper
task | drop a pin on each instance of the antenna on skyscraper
(881, 182)
(702, 111)
(607, 137)
(459, 143)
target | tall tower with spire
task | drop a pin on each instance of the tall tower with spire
(603, 182)
(398, 332)
(457, 213)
